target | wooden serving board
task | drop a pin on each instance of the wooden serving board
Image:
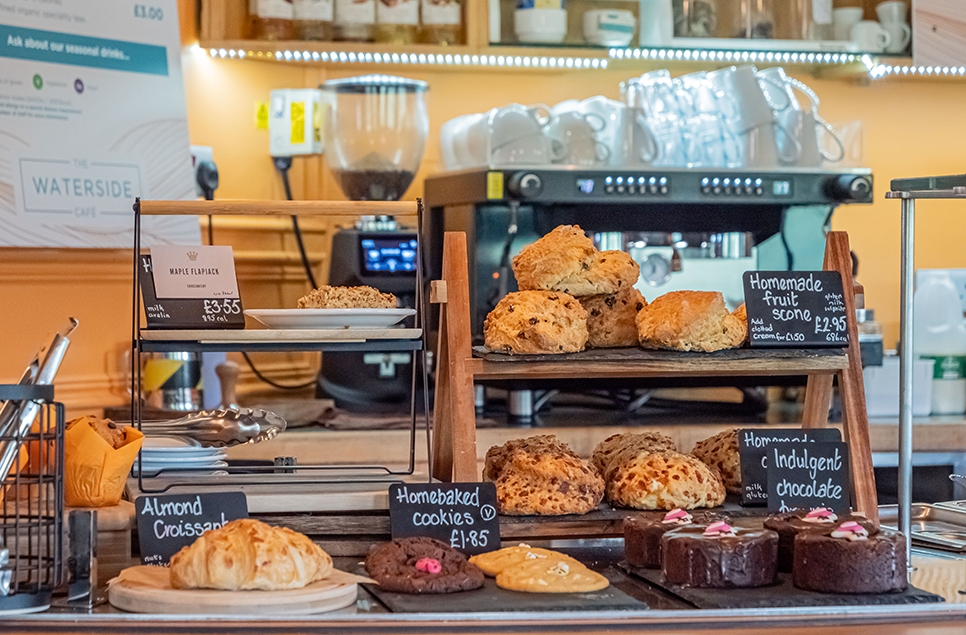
(144, 589)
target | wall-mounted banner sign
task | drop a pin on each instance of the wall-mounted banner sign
(92, 115)
(463, 515)
(172, 521)
(753, 445)
(808, 475)
(795, 309)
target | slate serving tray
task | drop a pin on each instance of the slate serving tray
(781, 595)
(492, 598)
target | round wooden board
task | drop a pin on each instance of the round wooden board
(151, 593)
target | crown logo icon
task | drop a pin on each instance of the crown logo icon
(192, 255)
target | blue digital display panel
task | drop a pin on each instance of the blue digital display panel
(585, 185)
(389, 255)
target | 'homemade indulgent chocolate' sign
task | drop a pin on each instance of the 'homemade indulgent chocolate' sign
(753, 445)
(808, 475)
(795, 309)
(172, 521)
(463, 515)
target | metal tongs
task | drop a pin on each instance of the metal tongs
(220, 428)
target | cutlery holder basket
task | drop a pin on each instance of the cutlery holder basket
(32, 503)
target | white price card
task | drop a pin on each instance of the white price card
(194, 271)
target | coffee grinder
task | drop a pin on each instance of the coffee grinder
(375, 133)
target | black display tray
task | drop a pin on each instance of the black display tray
(491, 598)
(783, 594)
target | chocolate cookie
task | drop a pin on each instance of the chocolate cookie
(422, 565)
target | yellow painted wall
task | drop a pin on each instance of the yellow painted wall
(911, 127)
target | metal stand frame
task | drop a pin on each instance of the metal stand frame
(908, 191)
(263, 475)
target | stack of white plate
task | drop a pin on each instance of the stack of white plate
(179, 456)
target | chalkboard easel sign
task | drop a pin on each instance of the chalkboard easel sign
(172, 521)
(808, 475)
(795, 309)
(463, 515)
(186, 313)
(753, 445)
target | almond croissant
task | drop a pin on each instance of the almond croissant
(247, 554)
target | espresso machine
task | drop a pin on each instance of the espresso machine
(688, 228)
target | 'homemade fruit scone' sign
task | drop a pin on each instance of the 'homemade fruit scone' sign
(462, 515)
(168, 523)
(795, 309)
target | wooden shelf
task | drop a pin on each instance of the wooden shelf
(375, 340)
(633, 362)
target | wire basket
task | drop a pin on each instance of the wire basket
(32, 503)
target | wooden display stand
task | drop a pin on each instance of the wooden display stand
(454, 438)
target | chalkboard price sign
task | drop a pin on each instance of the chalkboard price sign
(463, 515)
(186, 313)
(808, 475)
(753, 446)
(795, 309)
(168, 523)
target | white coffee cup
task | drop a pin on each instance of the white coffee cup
(760, 147)
(843, 19)
(870, 37)
(744, 84)
(891, 11)
(899, 33)
(517, 122)
(577, 131)
(613, 114)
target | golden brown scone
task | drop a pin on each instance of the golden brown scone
(561, 254)
(498, 455)
(608, 452)
(107, 429)
(664, 480)
(326, 297)
(689, 321)
(544, 477)
(551, 575)
(536, 322)
(612, 319)
(720, 453)
(609, 272)
(741, 313)
(247, 554)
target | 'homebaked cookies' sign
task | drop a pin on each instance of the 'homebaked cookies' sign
(795, 309)
(463, 515)
(168, 523)
(808, 476)
(753, 448)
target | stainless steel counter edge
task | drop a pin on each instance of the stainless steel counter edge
(576, 620)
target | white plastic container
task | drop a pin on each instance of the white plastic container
(882, 387)
(940, 334)
(540, 26)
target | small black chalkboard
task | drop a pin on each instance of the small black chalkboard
(753, 446)
(463, 515)
(808, 475)
(795, 309)
(172, 521)
(187, 313)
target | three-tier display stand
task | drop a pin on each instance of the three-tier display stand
(459, 365)
(342, 340)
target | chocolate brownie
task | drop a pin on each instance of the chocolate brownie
(790, 524)
(421, 565)
(642, 534)
(719, 555)
(850, 559)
